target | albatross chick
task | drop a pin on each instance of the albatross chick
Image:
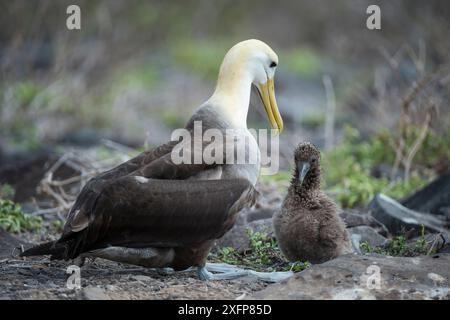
(308, 226)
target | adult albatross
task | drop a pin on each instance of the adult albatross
(153, 212)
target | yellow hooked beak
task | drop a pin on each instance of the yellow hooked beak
(267, 95)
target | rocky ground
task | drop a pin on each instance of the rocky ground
(42, 279)
(348, 277)
(421, 270)
(357, 277)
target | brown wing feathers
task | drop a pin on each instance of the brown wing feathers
(119, 207)
(90, 192)
(172, 213)
(159, 213)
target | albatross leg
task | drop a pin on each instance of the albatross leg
(165, 271)
(229, 272)
(145, 257)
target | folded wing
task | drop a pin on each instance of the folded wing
(137, 212)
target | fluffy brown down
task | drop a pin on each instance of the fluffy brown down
(308, 226)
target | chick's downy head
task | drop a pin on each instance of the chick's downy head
(307, 163)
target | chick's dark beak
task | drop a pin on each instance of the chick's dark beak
(303, 169)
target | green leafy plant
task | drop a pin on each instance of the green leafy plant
(6, 191)
(399, 247)
(263, 248)
(367, 248)
(12, 218)
(300, 266)
(421, 245)
(57, 225)
(25, 92)
(263, 255)
(348, 170)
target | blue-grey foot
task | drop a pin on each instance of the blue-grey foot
(228, 272)
(205, 275)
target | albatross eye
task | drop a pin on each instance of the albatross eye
(273, 65)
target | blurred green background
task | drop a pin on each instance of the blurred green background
(137, 69)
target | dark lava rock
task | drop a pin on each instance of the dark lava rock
(370, 235)
(8, 243)
(261, 214)
(24, 172)
(354, 218)
(398, 218)
(431, 198)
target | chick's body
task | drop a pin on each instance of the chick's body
(308, 226)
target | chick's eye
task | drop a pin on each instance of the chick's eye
(313, 160)
(273, 65)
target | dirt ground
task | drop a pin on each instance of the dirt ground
(101, 279)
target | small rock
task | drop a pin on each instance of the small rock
(353, 218)
(8, 244)
(264, 226)
(24, 171)
(241, 297)
(370, 235)
(241, 219)
(238, 238)
(141, 278)
(111, 287)
(436, 278)
(95, 293)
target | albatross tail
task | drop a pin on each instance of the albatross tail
(48, 248)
